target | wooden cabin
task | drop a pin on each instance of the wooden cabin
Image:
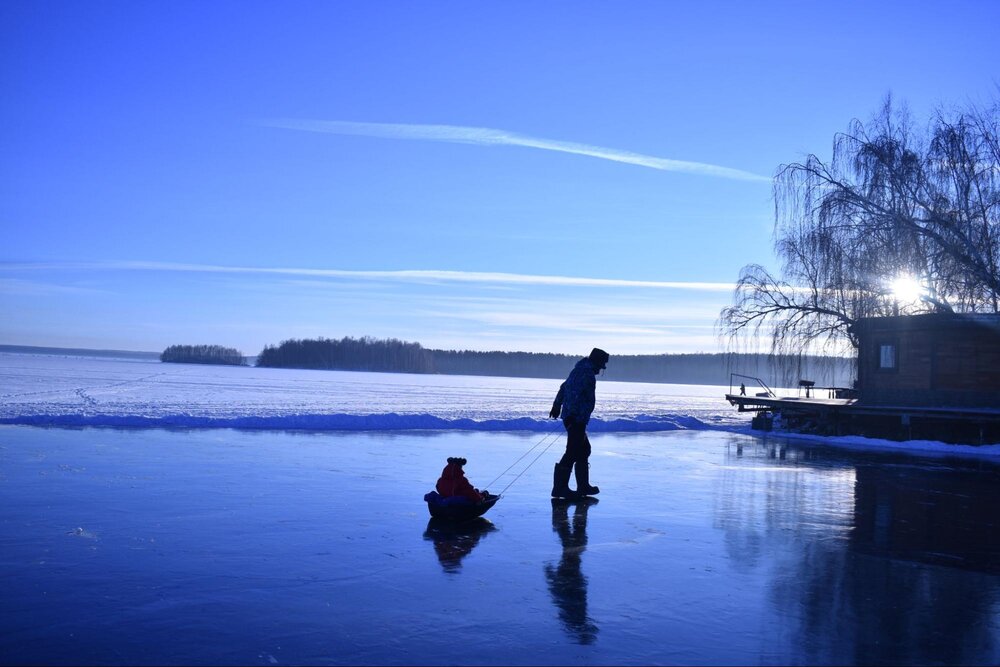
(920, 377)
(932, 360)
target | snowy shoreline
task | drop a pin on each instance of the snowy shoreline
(77, 392)
(349, 422)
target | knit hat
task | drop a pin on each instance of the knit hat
(599, 357)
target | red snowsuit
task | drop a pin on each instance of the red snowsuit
(454, 483)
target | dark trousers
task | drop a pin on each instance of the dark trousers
(577, 444)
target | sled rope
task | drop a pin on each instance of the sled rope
(520, 458)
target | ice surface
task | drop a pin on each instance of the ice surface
(222, 546)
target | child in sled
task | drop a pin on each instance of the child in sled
(454, 484)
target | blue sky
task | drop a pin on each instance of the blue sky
(469, 175)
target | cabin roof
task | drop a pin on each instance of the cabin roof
(927, 321)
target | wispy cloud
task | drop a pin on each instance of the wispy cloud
(400, 276)
(484, 136)
(659, 312)
(14, 286)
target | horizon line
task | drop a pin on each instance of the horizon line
(561, 354)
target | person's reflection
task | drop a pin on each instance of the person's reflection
(567, 584)
(453, 542)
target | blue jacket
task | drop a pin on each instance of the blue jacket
(576, 394)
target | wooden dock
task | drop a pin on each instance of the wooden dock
(851, 416)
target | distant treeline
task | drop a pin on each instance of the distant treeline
(349, 354)
(203, 354)
(371, 354)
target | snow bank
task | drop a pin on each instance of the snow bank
(348, 422)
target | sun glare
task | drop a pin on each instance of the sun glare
(906, 289)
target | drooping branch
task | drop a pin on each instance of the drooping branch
(892, 202)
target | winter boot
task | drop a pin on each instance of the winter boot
(583, 486)
(560, 482)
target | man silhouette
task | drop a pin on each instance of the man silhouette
(575, 402)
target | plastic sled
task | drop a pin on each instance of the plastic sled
(457, 508)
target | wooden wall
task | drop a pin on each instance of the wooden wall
(943, 360)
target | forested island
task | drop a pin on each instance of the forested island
(392, 355)
(395, 356)
(203, 354)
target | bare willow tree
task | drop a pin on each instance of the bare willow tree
(892, 204)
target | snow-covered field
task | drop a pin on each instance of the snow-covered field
(77, 391)
(60, 390)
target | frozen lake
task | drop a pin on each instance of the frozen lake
(235, 547)
(313, 546)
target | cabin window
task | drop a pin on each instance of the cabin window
(887, 358)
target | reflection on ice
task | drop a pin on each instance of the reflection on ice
(454, 541)
(567, 584)
(849, 539)
(943, 516)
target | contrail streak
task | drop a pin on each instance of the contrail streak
(484, 136)
(400, 276)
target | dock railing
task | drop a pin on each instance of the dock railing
(760, 383)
